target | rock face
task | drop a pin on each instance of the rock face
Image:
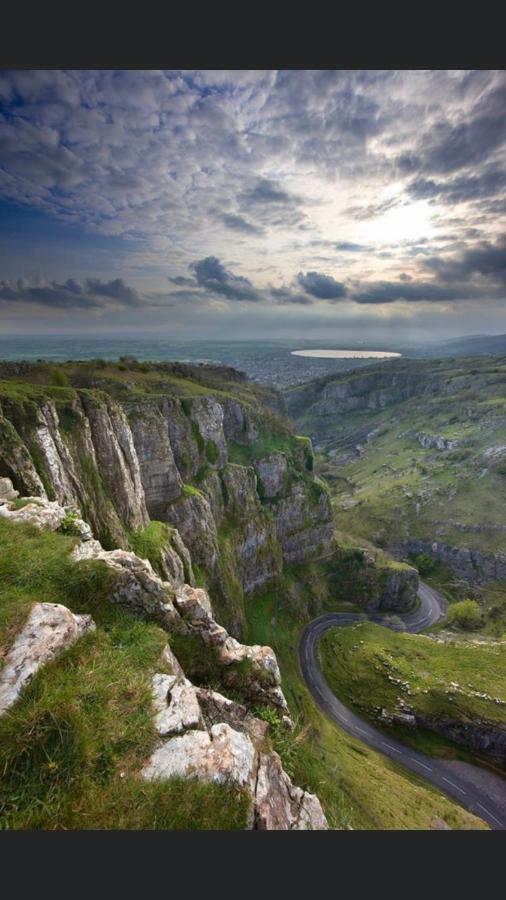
(486, 738)
(49, 630)
(279, 805)
(271, 472)
(160, 476)
(168, 459)
(304, 526)
(469, 565)
(400, 590)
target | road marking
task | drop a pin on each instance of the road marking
(361, 730)
(420, 763)
(487, 811)
(391, 748)
(457, 788)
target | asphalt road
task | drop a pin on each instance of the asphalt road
(432, 607)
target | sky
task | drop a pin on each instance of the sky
(250, 203)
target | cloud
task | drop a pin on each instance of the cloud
(92, 294)
(322, 286)
(259, 167)
(487, 260)
(475, 273)
(391, 291)
(237, 223)
(211, 274)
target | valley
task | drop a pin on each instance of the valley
(185, 495)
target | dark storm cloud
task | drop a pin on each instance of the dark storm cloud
(92, 294)
(475, 273)
(270, 205)
(322, 286)
(392, 291)
(212, 275)
(487, 260)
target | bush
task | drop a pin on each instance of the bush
(59, 378)
(212, 453)
(424, 563)
(465, 614)
(67, 525)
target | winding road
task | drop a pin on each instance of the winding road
(462, 786)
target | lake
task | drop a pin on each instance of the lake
(346, 354)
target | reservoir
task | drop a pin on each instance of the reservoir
(346, 354)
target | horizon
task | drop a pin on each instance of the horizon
(302, 205)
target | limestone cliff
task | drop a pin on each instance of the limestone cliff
(224, 473)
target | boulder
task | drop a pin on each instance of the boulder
(176, 705)
(50, 628)
(7, 491)
(221, 755)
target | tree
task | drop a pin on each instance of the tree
(465, 614)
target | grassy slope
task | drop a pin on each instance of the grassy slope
(469, 405)
(357, 786)
(127, 380)
(361, 662)
(73, 745)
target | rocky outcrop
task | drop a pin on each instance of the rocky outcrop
(399, 591)
(50, 629)
(469, 565)
(44, 514)
(134, 583)
(222, 742)
(251, 669)
(176, 705)
(436, 441)
(482, 736)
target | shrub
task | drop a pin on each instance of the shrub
(59, 378)
(67, 525)
(212, 453)
(424, 563)
(465, 614)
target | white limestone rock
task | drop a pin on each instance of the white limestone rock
(279, 805)
(50, 628)
(137, 585)
(221, 755)
(176, 705)
(41, 513)
(7, 491)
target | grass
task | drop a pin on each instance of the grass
(357, 787)
(73, 745)
(371, 668)
(150, 541)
